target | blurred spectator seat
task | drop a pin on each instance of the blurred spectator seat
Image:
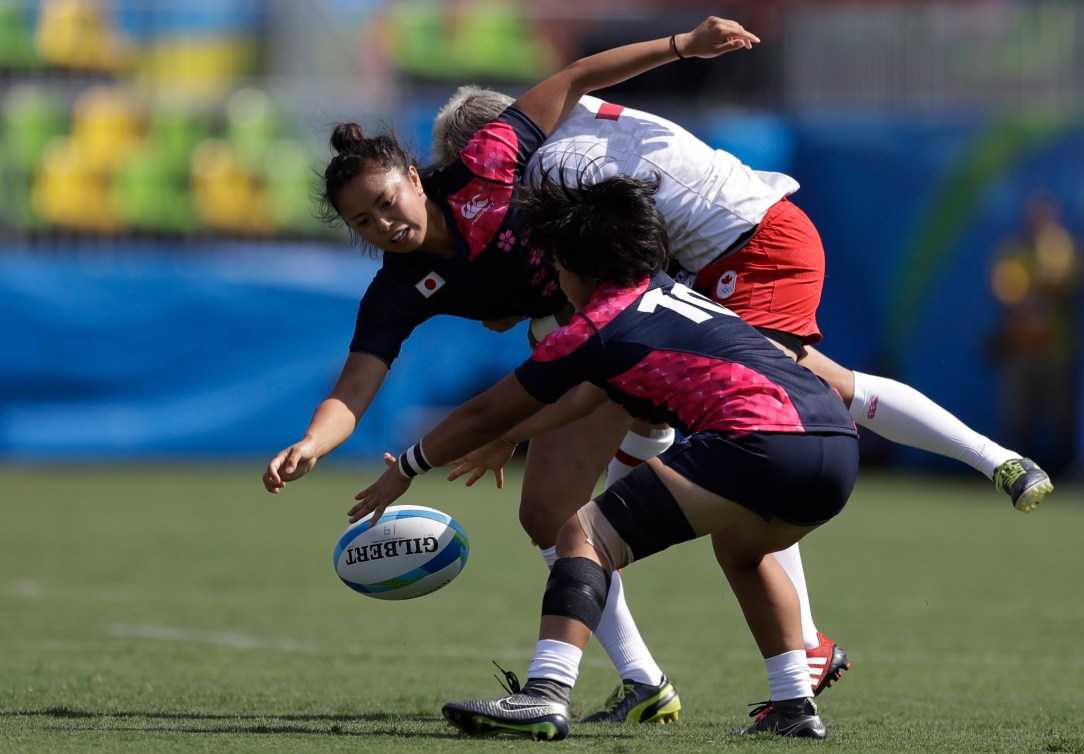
(30, 118)
(480, 40)
(289, 178)
(107, 123)
(71, 189)
(228, 197)
(79, 34)
(252, 125)
(152, 187)
(68, 193)
(16, 36)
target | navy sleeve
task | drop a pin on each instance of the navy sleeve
(567, 357)
(529, 134)
(386, 317)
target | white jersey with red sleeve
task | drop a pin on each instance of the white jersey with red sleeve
(708, 197)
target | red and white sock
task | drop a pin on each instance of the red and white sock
(635, 449)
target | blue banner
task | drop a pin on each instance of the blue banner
(138, 353)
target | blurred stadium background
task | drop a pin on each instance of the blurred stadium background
(167, 294)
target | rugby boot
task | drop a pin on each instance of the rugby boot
(521, 714)
(827, 661)
(633, 702)
(538, 710)
(1024, 482)
(793, 718)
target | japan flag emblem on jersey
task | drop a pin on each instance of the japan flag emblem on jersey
(725, 285)
(430, 284)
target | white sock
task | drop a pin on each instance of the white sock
(560, 662)
(549, 554)
(635, 449)
(788, 676)
(617, 631)
(791, 560)
(618, 635)
(905, 416)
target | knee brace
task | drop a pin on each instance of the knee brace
(577, 589)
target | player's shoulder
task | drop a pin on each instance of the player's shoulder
(494, 150)
(564, 340)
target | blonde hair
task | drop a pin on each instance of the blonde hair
(469, 108)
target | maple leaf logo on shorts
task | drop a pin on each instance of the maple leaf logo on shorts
(724, 287)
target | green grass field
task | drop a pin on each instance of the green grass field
(184, 609)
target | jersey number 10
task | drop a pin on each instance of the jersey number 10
(685, 301)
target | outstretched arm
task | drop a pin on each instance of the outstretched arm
(333, 421)
(575, 404)
(548, 102)
(473, 424)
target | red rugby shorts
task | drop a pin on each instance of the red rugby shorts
(775, 280)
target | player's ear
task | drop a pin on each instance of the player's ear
(415, 179)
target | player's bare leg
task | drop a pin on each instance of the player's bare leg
(563, 468)
(582, 451)
(768, 601)
(767, 597)
(827, 660)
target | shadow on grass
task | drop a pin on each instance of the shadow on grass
(265, 725)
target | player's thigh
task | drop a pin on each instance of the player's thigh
(563, 468)
(835, 374)
(747, 541)
(704, 510)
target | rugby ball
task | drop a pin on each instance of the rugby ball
(411, 551)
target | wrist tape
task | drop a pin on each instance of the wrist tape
(413, 461)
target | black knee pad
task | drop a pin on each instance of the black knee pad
(644, 513)
(577, 589)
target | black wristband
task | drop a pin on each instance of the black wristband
(413, 462)
(674, 49)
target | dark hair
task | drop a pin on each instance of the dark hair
(611, 230)
(356, 153)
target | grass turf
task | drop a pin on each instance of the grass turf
(184, 609)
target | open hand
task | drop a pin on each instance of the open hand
(713, 37)
(380, 494)
(490, 457)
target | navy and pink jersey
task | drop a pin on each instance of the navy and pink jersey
(495, 272)
(668, 354)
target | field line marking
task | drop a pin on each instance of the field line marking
(220, 638)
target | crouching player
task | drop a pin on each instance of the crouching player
(770, 452)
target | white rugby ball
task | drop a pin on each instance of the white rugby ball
(411, 551)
